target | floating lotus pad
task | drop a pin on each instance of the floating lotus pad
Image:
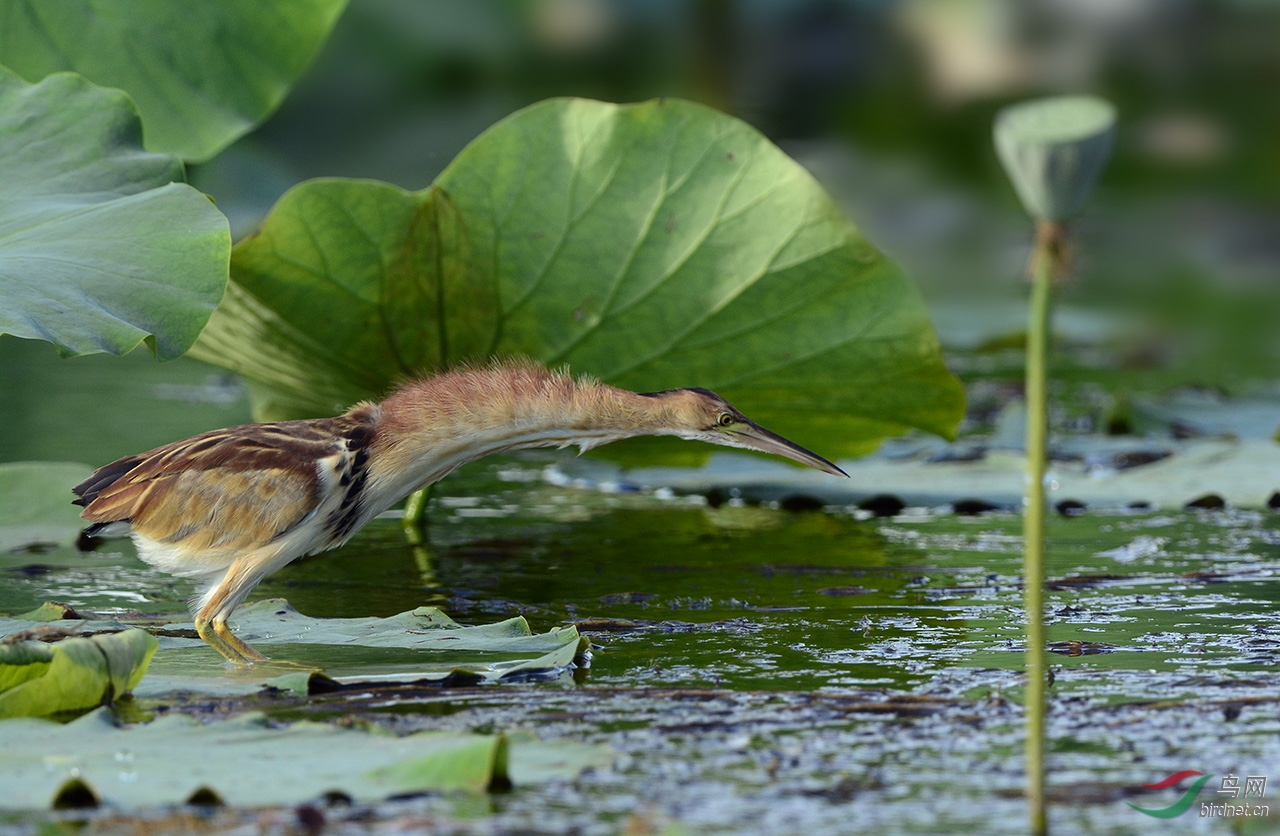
(1243, 473)
(250, 761)
(421, 645)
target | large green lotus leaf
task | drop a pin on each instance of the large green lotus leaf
(653, 245)
(203, 74)
(35, 503)
(310, 313)
(77, 673)
(169, 760)
(101, 245)
(420, 645)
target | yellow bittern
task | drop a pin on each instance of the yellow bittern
(230, 507)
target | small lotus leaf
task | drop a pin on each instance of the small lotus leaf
(78, 673)
(49, 611)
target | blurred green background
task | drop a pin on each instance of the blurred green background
(890, 104)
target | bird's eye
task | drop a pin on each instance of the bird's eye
(724, 419)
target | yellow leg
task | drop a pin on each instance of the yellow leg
(211, 621)
(219, 636)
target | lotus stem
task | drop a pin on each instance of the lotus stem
(1046, 262)
(415, 516)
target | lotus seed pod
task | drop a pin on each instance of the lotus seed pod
(1053, 150)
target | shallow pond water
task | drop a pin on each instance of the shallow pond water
(765, 671)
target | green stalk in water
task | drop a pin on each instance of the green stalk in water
(415, 516)
(1033, 519)
(1053, 150)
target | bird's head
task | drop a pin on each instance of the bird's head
(705, 416)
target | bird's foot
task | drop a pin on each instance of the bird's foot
(220, 638)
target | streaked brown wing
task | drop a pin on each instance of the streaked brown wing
(237, 488)
(216, 509)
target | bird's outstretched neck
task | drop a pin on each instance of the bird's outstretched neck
(430, 427)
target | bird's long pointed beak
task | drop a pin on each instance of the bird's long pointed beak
(755, 437)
